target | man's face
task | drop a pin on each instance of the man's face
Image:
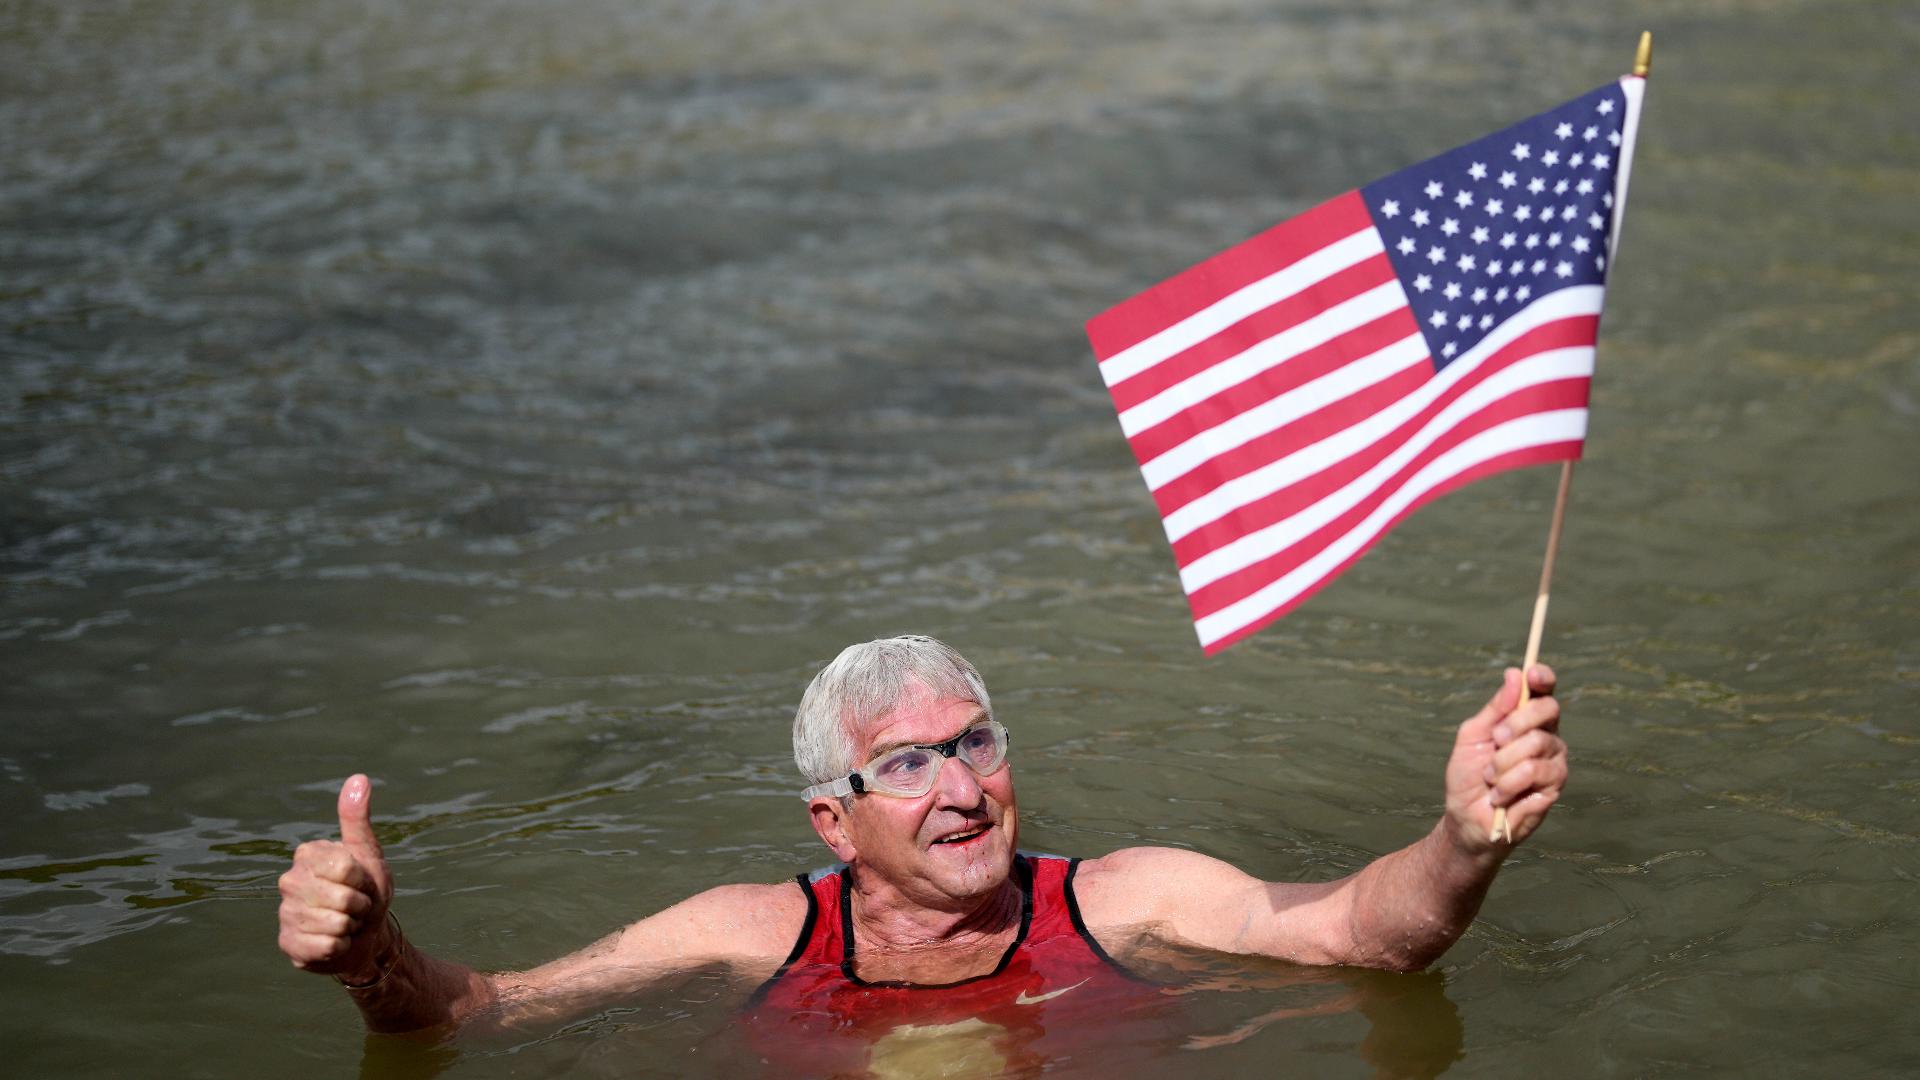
(948, 847)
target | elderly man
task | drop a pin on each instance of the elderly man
(932, 911)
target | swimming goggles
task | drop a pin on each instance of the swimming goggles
(908, 772)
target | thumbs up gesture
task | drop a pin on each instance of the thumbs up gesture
(333, 900)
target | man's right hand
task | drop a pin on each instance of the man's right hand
(333, 901)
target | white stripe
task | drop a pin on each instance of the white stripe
(1242, 428)
(1324, 327)
(1244, 551)
(1538, 429)
(1264, 481)
(1230, 309)
(1634, 87)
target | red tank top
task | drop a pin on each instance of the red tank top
(1054, 984)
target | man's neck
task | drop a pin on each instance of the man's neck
(888, 921)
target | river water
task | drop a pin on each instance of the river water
(518, 402)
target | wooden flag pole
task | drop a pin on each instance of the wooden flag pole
(1642, 65)
(1500, 827)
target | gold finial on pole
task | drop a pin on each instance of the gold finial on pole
(1643, 56)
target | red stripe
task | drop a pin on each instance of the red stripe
(1335, 288)
(1532, 455)
(1561, 394)
(1200, 286)
(1307, 430)
(1285, 503)
(1356, 344)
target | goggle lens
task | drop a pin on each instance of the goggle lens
(910, 770)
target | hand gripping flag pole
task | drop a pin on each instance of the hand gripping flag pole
(1642, 67)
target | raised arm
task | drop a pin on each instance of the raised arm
(334, 920)
(1400, 912)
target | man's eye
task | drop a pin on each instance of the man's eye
(904, 765)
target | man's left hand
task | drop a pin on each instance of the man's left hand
(1508, 755)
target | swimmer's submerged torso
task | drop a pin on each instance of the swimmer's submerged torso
(818, 1015)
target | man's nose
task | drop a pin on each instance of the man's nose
(957, 786)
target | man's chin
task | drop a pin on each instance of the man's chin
(972, 869)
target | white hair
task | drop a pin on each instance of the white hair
(866, 682)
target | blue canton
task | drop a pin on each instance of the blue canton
(1480, 232)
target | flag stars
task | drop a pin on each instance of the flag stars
(1606, 199)
(1478, 170)
(1594, 220)
(1493, 268)
(1449, 349)
(1391, 208)
(1563, 269)
(1420, 218)
(1523, 212)
(1576, 161)
(1590, 133)
(1581, 244)
(1613, 137)
(1480, 234)
(1436, 254)
(1406, 245)
(1434, 190)
(1480, 296)
(1516, 266)
(1560, 188)
(1606, 106)
(1521, 151)
(1494, 207)
(1553, 239)
(1536, 185)
(1507, 179)
(1550, 158)
(1450, 227)
(1599, 262)
(1464, 199)
(1466, 263)
(1507, 240)
(1602, 160)
(1438, 319)
(1563, 131)
(1533, 240)
(1463, 322)
(1500, 295)
(1422, 283)
(1585, 186)
(1522, 293)
(1539, 266)
(1486, 321)
(1452, 291)
(1567, 212)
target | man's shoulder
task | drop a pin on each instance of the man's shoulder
(1138, 884)
(741, 923)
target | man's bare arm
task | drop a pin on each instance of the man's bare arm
(333, 920)
(746, 929)
(1400, 912)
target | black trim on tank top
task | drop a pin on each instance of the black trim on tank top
(1080, 926)
(799, 946)
(1022, 875)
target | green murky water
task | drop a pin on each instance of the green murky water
(517, 402)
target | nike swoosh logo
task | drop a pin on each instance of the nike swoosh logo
(1023, 999)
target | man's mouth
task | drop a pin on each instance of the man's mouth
(967, 837)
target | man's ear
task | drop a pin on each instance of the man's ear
(830, 820)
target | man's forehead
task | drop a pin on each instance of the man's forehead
(924, 717)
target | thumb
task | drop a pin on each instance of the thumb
(1479, 727)
(356, 823)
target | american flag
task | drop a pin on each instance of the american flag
(1293, 397)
